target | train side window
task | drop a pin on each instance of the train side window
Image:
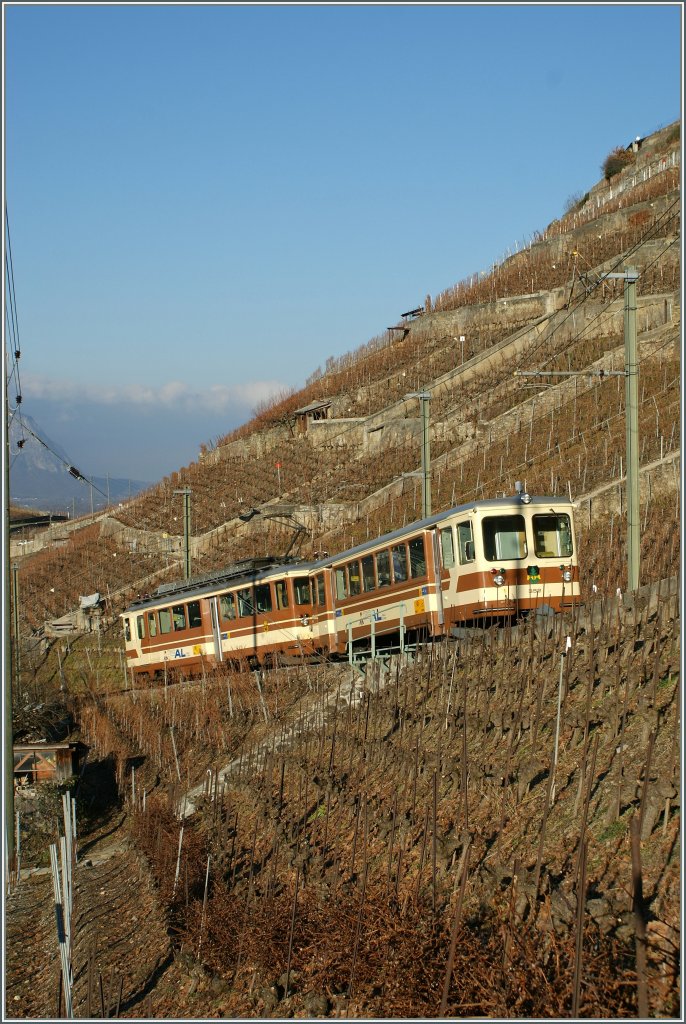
(263, 598)
(227, 607)
(301, 587)
(127, 629)
(465, 542)
(152, 624)
(447, 547)
(504, 537)
(417, 558)
(179, 617)
(245, 605)
(194, 617)
(320, 591)
(368, 578)
(341, 584)
(354, 577)
(281, 591)
(383, 568)
(399, 554)
(140, 627)
(165, 620)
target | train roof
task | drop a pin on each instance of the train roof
(433, 520)
(248, 570)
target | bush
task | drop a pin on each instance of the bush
(575, 202)
(616, 161)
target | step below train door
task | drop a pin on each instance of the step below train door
(216, 631)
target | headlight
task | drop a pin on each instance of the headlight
(567, 576)
(498, 579)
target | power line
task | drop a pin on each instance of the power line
(72, 470)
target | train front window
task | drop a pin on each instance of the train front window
(165, 620)
(320, 592)
(281, 591)
(354, 577)
(301, 588)
(140, 627)
(552, 536)
(179, 617)
(465, 542)
(504, 538)
(417, 558)
(152, 624)
(127, 630)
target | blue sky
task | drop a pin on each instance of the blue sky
(206, 202)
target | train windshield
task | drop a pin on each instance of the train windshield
(552, 536)
(504, 537)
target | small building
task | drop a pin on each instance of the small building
(43, 762)
(312, 413)
(85, 619)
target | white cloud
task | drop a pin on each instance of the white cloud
(217, 398)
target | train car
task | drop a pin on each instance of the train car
(487, 561)
(484, 562)
(253, 612)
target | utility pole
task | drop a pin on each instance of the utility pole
(630, 373)
(186, 491)
(15, 621)
(8, 736)
(632, 453)
(424, 399)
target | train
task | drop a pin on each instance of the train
(485, 562)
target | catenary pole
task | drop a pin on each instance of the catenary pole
(186, 530)
(632, 466)
(424, 399)
(8, 666)
(630, 373)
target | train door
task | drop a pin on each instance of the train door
(434, 577)
(437, 615)
(216, 630)
(458, 557)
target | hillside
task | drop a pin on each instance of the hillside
(381, 842)
(344, 477)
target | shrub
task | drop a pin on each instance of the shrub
(673, 135)
(616, 161)
(575, 202)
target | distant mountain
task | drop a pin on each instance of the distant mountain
(39, 479)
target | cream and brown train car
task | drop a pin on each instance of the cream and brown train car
(248, 614)
(487, 561)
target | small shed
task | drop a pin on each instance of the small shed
(311, 413)
(43, 762)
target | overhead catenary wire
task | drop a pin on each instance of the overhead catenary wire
(571, 310)
(72, 470)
